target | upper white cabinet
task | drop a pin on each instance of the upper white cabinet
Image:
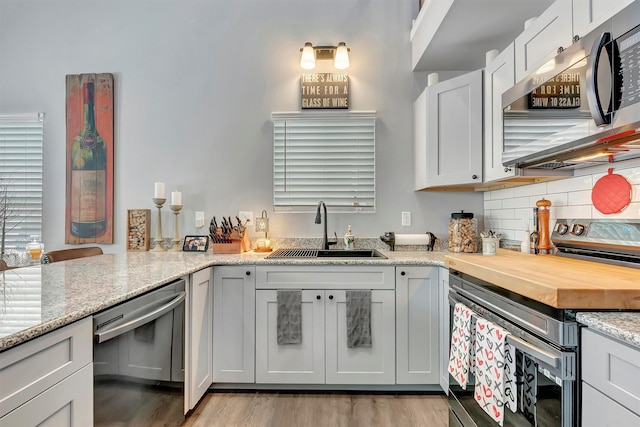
(588, 14)
(234, 305)
(540, 42)
(453, 130)
(453, 35)
(499, 75)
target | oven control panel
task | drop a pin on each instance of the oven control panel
(621, 232)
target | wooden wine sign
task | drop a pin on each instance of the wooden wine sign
(89, 157)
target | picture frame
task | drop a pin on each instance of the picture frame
(195, 244)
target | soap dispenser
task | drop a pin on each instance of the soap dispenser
(349, 239)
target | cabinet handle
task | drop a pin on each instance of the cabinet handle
(474, 176)
(507, 169)
(402, 273)
(576, 38)
(330, 296)
(248, 273)
(560, 49)
(317, 297)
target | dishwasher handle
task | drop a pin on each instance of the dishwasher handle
(142, 316)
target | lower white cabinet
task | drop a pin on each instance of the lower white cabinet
(49, 380)
(199, 336)
(68, 403)
(417, 311)
(323, 357)
(444, 327)
(610, 381)
(234, 309)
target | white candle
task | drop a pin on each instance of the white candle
(159, 190)
(176, 198)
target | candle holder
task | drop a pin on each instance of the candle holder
(176, 235)
(158, 247)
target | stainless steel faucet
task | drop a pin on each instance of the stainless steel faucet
(325, 241)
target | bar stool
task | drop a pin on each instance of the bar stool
(3, 265)
(66, 254)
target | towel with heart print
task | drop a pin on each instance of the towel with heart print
(460, 356)
(495, 370)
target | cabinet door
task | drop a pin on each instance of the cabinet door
(598, 410)
(454, 131)
(417, 325)
(67, 403)
(499, 75)
(539, 43)
(199, 336)
(361, 365)
(234, 308)
(588, 14)
(420, 141)
(444, 328)
(291, 363)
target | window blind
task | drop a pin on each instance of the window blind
(21, 141)
(324, 156)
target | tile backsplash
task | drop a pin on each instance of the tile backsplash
(510, 210)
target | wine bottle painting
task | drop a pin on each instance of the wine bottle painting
(89, 205)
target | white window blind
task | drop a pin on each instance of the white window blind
(324, 156)
(21, 140)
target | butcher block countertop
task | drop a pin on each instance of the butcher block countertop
(556, 281)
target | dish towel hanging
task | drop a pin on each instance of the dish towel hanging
(358, 318)
(460, 356)
(495, 370)
(289, 323)
(529, 389)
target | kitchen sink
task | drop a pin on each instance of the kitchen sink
(324, 253)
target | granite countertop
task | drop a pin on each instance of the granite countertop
(624, 326)
(38, 299)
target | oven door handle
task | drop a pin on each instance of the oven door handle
(142, 316)
(533, 351)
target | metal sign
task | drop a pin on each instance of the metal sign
(562, 91)
(324, 91)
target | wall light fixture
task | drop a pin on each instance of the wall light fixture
(310, 54)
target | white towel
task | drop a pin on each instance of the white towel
(495, 370)
(460, 356)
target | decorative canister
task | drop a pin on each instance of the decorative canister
(462, 232)
(34, 249)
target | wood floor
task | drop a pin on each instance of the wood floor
(314, 409)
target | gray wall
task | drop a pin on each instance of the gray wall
(195, 84)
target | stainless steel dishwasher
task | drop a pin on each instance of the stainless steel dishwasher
(138, 357)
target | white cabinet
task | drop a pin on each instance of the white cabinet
(417, 318)
(302, 363)
(444, 325)
(234, 306)
(199, 334)
(499, 75)
(611, 381)
(67, 403)
(453, 128)
(539, 43)
(588, 14)
(322, 357)
(49, 380)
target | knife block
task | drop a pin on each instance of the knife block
(237, 245)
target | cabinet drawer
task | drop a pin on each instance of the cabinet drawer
(31, 368)
(325, 277)
(600, 411)
(612, 367)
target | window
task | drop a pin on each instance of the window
(324, 156)
(21, 139)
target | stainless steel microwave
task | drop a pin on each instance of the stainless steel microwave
(581, 108)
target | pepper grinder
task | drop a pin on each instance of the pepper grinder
(544, 244)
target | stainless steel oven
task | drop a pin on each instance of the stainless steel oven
(139, 360)
(548, 338)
